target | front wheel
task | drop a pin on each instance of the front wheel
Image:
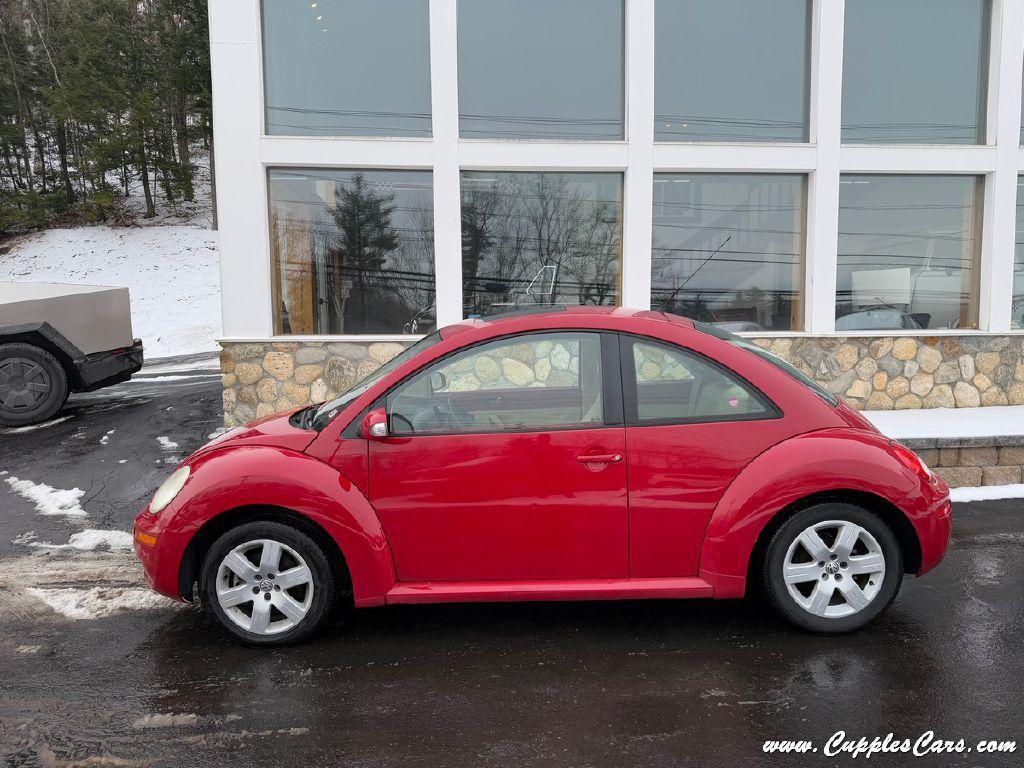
(833, 568)
(267, 583)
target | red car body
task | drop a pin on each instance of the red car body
(674, 510)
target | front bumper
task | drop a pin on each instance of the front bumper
(103, 369)
(160, 553)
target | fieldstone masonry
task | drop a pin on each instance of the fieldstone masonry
(869, 373)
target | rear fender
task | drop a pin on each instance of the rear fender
(831, 460)
(251, 476)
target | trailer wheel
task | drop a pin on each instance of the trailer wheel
(33, 385)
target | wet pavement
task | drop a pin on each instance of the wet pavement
(655, 683)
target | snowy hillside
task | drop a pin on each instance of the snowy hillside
(171, 272)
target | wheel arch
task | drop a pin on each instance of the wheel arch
(890, 514)
(46, 337)
(212, 529)
(829, 465)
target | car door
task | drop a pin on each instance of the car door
(506, 461)
(691, 427)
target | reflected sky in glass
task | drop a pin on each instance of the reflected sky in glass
(914, 71)
(347, 67)
(540, 69)
(731, 70)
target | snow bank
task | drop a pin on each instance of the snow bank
(98, 602)
(990, 421)
(171, 271)
(988, 492)
(49, 500)
(93, 538)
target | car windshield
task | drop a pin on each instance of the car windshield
(330, 409)
(767, 356)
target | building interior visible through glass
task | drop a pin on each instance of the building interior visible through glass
(729, 249)
(352, 251)
(540, 239)
(908, 249)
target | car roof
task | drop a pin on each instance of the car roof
(561, 314)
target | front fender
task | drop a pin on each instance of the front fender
(252, 475)
(830, 460)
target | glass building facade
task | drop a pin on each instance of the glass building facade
(818, 167)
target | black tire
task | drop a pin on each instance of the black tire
(33, 385)
(324, 581)
(778, 592)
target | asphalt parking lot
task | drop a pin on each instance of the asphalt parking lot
(95, 671)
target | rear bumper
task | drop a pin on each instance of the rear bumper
(104, 369)
(934, 529)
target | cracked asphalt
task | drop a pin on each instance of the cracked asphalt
(654, 683)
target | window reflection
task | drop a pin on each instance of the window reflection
(915, 71)
(540, 69)
(540, 239)
(352, 251)
(731, 70)
(347, 67)
(907, 252)
(728, 249)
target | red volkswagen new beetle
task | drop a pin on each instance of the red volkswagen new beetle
(571, 454)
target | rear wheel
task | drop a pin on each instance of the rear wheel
(267, 583)
(33, 385)
(833, 568)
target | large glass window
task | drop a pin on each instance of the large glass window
(1017, 310)
(729, 249)
(907, 252)
(536, 381)
(346, 67)
(540, 239)
(731, 70)
(352, 251)
(915, 71)
(540, 69)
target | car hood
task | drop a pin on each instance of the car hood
(276, 431)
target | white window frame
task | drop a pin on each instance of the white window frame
(244, 153)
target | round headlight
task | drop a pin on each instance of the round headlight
(169, 489)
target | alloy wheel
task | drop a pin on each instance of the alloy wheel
(834, 569)
(24, 384)
(264, 586)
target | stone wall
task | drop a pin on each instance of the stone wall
(263, 378)
(874, 373)
(973, 462)
(886, 373)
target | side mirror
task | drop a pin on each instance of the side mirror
(438, 381)
(375, 425)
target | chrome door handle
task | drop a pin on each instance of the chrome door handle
(600, 458)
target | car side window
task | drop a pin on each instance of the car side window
(533, 381)
(671, 384)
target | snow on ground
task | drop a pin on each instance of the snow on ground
(988, 493)
(950, 422)
(171, 272)
(166, 443)
(97, 602)
(49, 500)
(92, 538)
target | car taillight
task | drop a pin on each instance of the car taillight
(910, 460)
